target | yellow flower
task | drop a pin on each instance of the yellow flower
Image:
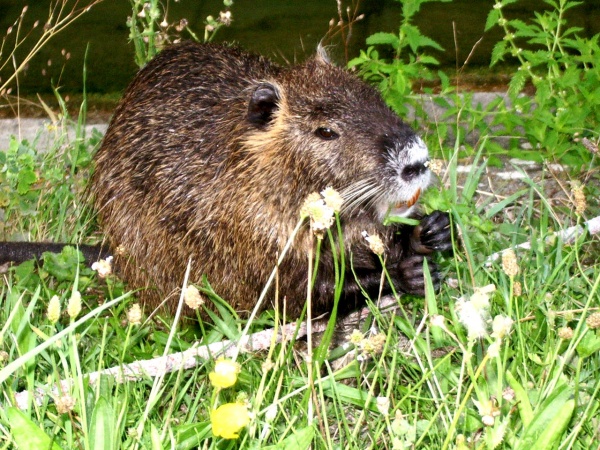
(228, 419)
(225, 374)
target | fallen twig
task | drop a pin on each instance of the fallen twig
(190, 358)
(568, 236)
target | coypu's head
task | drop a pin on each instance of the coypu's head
(331, 129)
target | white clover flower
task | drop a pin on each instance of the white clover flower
(103, 267)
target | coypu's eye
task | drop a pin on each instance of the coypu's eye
(326, 134)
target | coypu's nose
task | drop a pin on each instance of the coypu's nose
(412, 171)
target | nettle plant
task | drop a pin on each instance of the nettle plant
(553, 95)
(411, 62)
(563, 70)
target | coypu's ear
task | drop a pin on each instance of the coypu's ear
(263, 103)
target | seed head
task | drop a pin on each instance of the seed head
(134, 315)
(321, 215)
(375, 243)
(333, 199)
(192, 297)
(593, 320)
(517, 288)
(509, 263)
(356, 337)
(64, 404)
(74, 305)
(383, 405)
(565, 333)
(54, 309)
(501, 326)
(578, 197)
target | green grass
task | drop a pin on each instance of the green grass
(539, 388)
(443, 374)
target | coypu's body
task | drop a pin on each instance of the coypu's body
(210, 155)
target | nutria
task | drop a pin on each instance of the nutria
(211, 154)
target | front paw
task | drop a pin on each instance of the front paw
(409, 275)
(434, 233)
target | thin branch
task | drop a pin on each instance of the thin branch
(190, 358)
(568, 236)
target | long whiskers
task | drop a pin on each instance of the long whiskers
(365, 192)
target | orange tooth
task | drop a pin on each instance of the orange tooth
(414, 198)
(409, 202)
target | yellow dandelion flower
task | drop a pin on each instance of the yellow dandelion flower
(54, 309)
(225, 373)
(229, 419)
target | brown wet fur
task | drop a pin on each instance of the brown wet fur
(184, 172)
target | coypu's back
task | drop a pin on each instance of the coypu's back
(211, 153)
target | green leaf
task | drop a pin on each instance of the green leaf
(525, 410)
(383, 39)
(27, 434)
(102, 426)
(545, 415)
(589, 345)
(492, 18)
(192, 435)
(63, 265)
(498, 52)
(517, 83)
(300, 440)
(552, 434)
(24, 181)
